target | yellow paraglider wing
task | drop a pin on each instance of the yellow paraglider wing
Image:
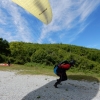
(39, 8)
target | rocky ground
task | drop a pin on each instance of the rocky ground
(40, 87)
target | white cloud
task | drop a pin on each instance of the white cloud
(6, 35)
(87, 8)
(93, 46)
(12, 18)
(2, 18)
(68, 14)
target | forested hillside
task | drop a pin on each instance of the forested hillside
(50, 54)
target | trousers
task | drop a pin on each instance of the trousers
(62, 77)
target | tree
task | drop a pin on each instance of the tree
(4, 47)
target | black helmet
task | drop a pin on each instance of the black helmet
(72, 62)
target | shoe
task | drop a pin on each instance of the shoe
(55, 85)
(60, 82)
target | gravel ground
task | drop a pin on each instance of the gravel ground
(40, 87)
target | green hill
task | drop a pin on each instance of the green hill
(87, 59)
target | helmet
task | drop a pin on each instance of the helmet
(72, 62)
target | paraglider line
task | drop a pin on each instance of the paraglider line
(43, 11)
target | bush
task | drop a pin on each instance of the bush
(3, 58)
(17, 61)
(96, 69)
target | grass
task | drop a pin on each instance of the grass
(23, 69)
(34, 69)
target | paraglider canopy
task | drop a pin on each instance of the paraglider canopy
(39, 8)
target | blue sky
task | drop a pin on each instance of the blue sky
(75, 22)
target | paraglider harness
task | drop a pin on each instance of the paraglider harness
(56, 67)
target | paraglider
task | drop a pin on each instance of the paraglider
(60, 70)
(39, 8)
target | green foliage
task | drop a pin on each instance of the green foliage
(50, 54)
(4, 47)
(20, 52)
(4, 50)
(96, 69)
(3, 58)
(87, 59)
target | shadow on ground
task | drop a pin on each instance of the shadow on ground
(69, 90)
(83, 77)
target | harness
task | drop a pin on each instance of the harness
(55, 69)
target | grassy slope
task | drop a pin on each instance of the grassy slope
(47, 70)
